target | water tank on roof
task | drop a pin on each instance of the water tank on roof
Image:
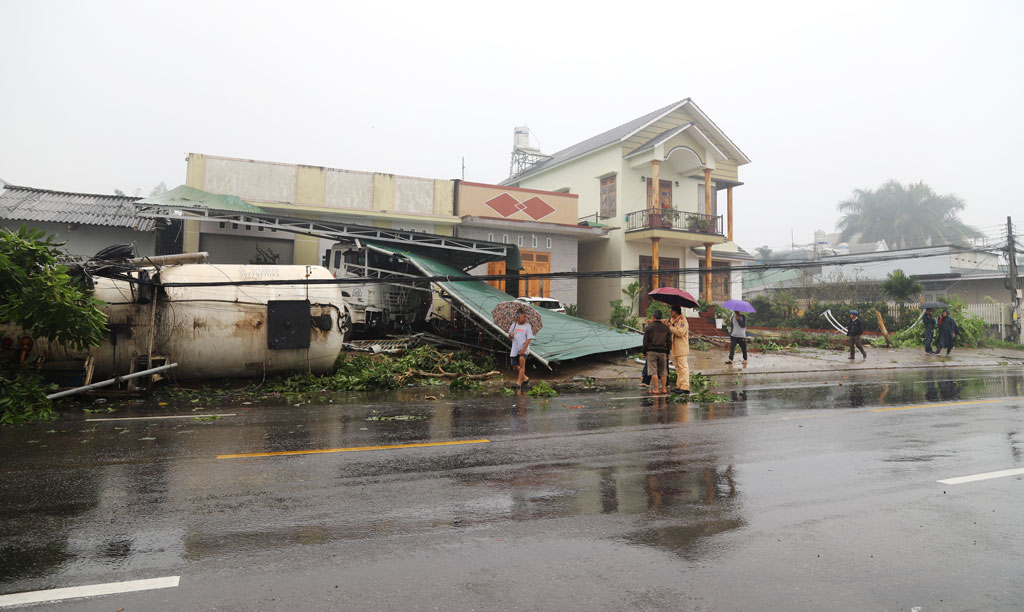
(820, 241)
(521, 138)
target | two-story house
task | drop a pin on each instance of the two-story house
(678, 153)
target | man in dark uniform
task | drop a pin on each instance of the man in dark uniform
(854, 331)
(929, 330)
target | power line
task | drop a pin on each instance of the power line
(843, 260)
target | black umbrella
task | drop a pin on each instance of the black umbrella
(934, 305)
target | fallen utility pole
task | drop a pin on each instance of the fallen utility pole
(111, 381)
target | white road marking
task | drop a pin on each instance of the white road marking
(92, 590)
(985, 476)
(197, 415)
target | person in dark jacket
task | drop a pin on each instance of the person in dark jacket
(854, 331)
(657, 346)
(929, 330)
(947, 332)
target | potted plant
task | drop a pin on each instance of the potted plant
(698, 224)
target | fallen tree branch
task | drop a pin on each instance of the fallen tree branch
(423, 374)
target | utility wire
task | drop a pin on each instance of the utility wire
(843, 260)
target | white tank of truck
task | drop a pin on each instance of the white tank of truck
(218, 331)
(378, 308)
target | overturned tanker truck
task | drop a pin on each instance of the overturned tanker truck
(158, 311)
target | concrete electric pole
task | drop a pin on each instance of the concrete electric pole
(1011, 253)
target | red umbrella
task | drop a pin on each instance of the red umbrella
(674, 297)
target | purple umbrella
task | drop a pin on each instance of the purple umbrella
(738, 306)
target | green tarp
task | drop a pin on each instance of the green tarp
(561, 338)
(184, 196)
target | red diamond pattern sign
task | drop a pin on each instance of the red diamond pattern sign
(537, 208)
(506, 206)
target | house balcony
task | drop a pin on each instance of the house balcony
(674, 226)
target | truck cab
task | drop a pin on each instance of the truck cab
(378, 308)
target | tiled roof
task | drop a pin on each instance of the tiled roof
(28, 204)
(592, 144)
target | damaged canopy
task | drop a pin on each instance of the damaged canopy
(563, 337)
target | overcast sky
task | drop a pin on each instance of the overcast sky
(823, 98)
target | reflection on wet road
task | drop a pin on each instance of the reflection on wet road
(710, 485)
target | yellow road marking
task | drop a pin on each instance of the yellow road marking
(351, 449)
(991, 401)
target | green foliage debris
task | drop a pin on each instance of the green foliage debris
(542, 389)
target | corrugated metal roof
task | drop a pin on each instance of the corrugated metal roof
(592, 144)
(29, 204)
(184, 196)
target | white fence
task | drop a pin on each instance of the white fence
(996, 315)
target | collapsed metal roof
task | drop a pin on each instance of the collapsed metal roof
(185, 202)
(563, 337)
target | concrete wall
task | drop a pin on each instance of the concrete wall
(366, 198)
(86, 240)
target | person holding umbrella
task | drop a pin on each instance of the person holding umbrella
(929, 325)
(521, 322)
(929, 330)
(521, 333)
(680, 330)
(738, 333)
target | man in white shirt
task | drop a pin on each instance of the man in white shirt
(521, 333)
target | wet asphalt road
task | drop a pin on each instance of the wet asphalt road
(794, 495)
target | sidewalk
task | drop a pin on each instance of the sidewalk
(790, 361)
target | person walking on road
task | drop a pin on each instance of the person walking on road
(947, 332)
(929, 330)
(657, 346)
(521, 333)
(854, 331)
(680, 329)
(738, 335)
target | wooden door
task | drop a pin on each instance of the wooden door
(665, 201)
(664, 280)
(535, 262)
(496, 267)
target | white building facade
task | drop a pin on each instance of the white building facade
(665, 183)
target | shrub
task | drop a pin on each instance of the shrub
(23, 399)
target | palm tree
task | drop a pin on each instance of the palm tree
(900, 287)
(905, 216)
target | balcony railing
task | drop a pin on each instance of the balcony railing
(672, 219)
